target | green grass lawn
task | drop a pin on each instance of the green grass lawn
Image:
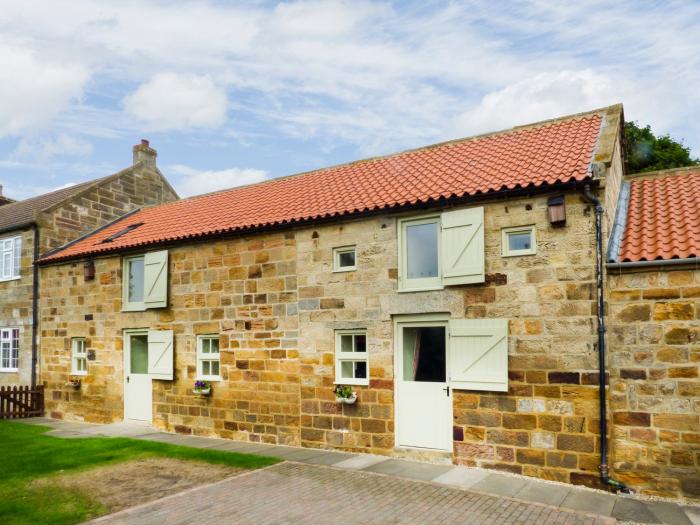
(28, 454)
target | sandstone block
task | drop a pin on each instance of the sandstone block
(674, 311)
(519, 421)
(634, 312)
(633, 419)
(530, 457)
(575, 442)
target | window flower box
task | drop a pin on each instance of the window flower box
(345, 395)
(202, 388)
(74, 383)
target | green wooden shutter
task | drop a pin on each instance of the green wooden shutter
(160, 354)
(155, 279)
(479, 354)
(463, 246)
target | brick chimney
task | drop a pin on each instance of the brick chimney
(143, 152)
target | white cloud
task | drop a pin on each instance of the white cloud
(190, 181)
(44, 149)
(364, 75)
(170, 101)
(34, 90)
(544, 96)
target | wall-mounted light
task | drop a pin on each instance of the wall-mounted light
(89, 270)
(556, 208)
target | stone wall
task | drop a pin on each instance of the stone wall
(16, 310)
(243, 289)
(654, 341)
(547, 424)
(276, 304)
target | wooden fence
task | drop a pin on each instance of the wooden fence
(21, 401)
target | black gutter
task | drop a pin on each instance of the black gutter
(35, 304)
(690, 261)
(602, 384)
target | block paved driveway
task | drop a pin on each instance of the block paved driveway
(302, 493)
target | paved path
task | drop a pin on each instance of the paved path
(476, 489)
(313, 494)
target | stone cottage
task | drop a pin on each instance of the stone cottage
(35, 226)
(452, 287)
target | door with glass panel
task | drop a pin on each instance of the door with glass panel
(137, 382)
(423, 397)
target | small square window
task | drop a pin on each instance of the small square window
(351, 358)
(208, 359)
(78, 357)
(519, 241)
(344, 259)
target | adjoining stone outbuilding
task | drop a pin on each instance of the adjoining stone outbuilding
(38, 225)
(453, 287)
(654, 338)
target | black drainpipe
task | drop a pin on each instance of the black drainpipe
(35, 304)
(601, 344)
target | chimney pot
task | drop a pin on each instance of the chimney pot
(144, 153)
(0, 190)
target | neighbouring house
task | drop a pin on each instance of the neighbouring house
(453, 287)
(34, 226)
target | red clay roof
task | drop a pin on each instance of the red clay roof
(663, 218)
(546, 153)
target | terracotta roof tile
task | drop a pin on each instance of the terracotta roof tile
(547, 153)
(663, 218)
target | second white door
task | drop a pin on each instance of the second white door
(137, 383)
(423, 400)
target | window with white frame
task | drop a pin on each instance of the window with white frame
(208, 361)
(133, 283)
(351, 357)
(441, 250)
(10, 254)
(344, 259)
(145, 281)
(519, 240)
(78, 356)
(9, 349)
(420, 253)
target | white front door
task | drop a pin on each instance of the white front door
(423, 398)
(137, 382)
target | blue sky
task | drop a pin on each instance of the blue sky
(232, 92)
